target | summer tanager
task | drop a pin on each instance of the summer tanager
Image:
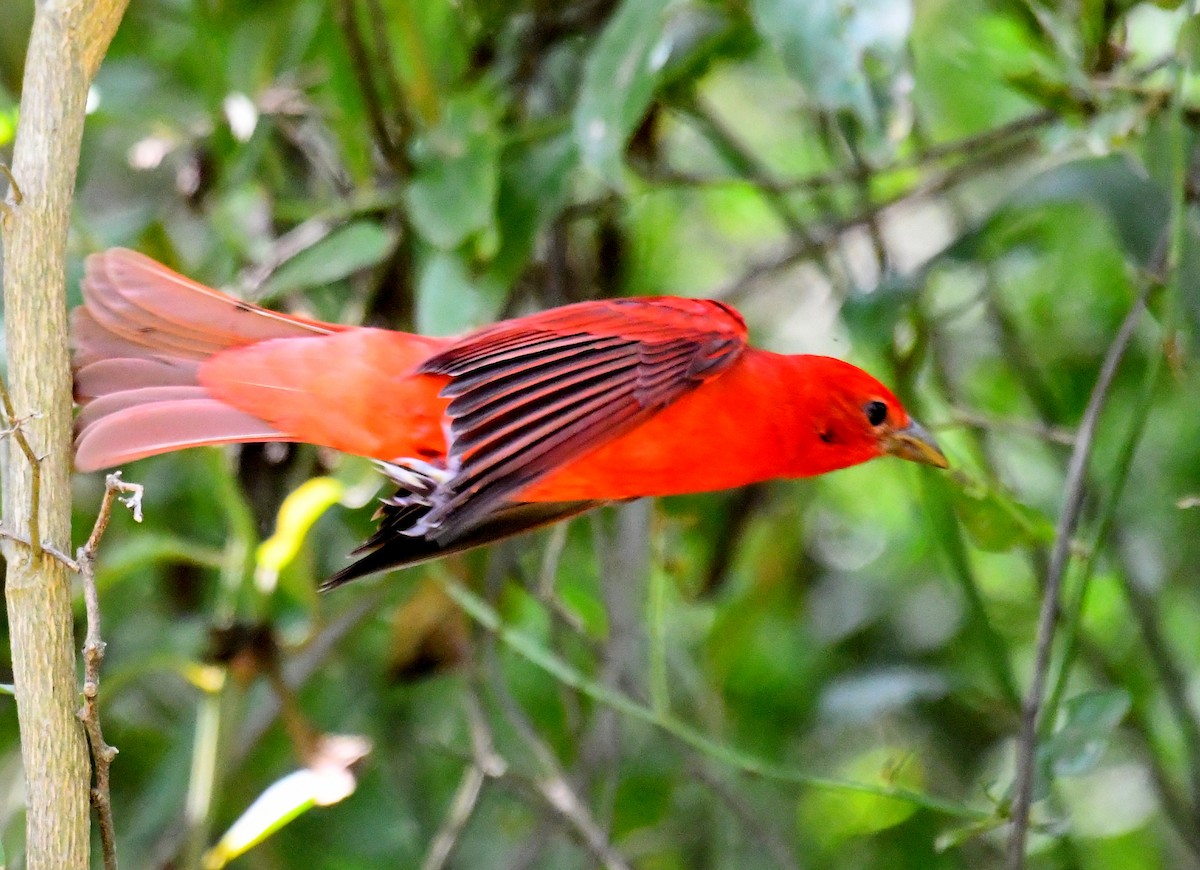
(486, 435)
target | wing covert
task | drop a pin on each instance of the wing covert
(531, 394)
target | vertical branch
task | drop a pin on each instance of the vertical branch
(93, 656)
(1068, 519)
(66, 44)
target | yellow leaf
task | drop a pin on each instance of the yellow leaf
(296, 515)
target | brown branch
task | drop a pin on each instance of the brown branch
(299, 669)
(93, 657)
(996, 139)
(363, 65)
(825, 237)
(1060, 554)
(67, 41)
(295, 241)
(47, 548)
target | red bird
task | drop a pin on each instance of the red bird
(486, 435)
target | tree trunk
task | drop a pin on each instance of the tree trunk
(65, 47)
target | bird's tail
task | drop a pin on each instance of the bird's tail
(139, 342)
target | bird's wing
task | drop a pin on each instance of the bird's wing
(531, 394)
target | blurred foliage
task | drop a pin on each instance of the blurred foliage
(964, 196)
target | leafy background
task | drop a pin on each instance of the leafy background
(964, 196)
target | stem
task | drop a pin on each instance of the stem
(533, 652)
(93, 656)
(1059, 556)
(660, 682)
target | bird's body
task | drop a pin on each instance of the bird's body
(503, 429)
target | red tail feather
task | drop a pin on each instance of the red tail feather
(139, 342)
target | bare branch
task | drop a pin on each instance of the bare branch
(989, 141)
(963, 417)
(1059, 556)
(822, 238)
(93, 657)
(487, 763)
(47, 548)
(552, 785)
(563, 799)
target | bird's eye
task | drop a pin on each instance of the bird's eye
(876, 412)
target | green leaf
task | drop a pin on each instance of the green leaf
(834, 817)
(450, 300)
(299, 511)
(1188, 44)
(534, 179)
(1135, 206)
(348, 249)
(995, 521)
(835, 49)
(329, 780)
(1075, 749)
(619, 79)
(1090, 720)
(693, 37)
(453, 193)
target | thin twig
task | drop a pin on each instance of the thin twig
(300, 668)
(552, 784)
(990, 140)
(297, 671)
(767, 840)
(522, 645)
(963, 417)
(822, 238)
(14, 197)
(747, 165)
(554, 788)
(295, 241)
(486, 763)
(93, 656)
(47, 548)
(15, 427)
(1060, 554)
(363, 66)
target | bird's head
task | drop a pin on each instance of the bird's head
(859, 419)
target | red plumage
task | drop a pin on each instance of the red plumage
(508, 427)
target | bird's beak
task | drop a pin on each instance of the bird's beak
(915, 444)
